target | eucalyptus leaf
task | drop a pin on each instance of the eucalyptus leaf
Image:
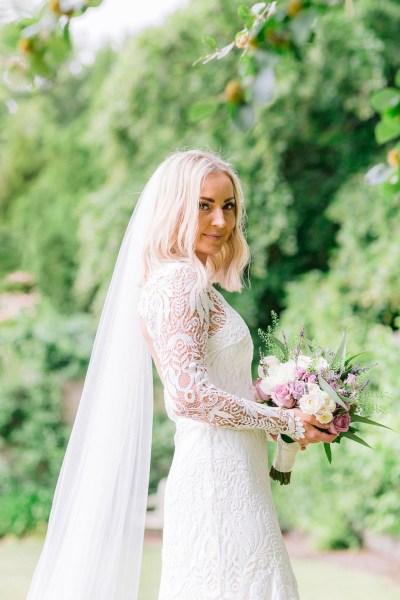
(324, 385)
(340, 356)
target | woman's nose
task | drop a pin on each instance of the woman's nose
(218, 218)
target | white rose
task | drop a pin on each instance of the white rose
(266, 363)
(303, 361)
(321, 363)
(270, 360)
(324, 417)
(278, 374)
(288, 370)
(313, 388)
(311, 403)
(329, 404)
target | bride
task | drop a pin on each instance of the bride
(221, 536)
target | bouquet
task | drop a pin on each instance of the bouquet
(320, 382)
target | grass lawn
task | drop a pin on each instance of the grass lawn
(317, 578)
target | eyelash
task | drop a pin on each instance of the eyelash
(228, 204)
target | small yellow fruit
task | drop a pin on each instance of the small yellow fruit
(233, 92)
(56, 9)
(25, 45)
(393, 157)
(294, 7)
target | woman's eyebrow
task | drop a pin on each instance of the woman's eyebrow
(212, 200)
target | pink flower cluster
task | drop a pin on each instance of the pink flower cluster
(295, 384)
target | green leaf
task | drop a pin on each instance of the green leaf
(361, 419)
(286, 438)
(9, 36)
(397, 79)
(387, 130)
(328, 452)
(210, 42)
(385, 99)
(57, 50)
(340, 356)
(244, 11)
(355, 438)
(354, 356)
(281, 347)
(324, 385)
(353, 429)
(201, 110)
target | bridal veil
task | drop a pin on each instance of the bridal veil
(94, 541)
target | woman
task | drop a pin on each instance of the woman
(221, 536)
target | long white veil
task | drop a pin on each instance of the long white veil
(94, 541)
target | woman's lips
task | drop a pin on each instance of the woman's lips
(216, 238)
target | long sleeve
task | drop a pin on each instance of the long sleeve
(177, 315)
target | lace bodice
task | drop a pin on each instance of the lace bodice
(197, 339)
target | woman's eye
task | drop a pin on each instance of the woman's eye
(230, 204)
(202, 204)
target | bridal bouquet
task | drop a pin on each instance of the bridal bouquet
(320, 382)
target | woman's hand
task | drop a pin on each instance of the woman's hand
(312, 427)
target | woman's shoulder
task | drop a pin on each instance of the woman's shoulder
(169, 270)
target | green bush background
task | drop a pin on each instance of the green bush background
(74, 159)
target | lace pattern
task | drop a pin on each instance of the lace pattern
(180, 318)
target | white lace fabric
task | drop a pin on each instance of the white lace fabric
(180, 319)
(221, 537)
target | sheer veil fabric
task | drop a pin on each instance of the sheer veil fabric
(94, 541)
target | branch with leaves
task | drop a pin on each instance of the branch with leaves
(33, 47)
(386, 102)
(270, 32)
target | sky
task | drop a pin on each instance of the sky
(113, 19)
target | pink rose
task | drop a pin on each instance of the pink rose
(259, 391)
(297, 388)
(340, 423)
(311, 378)
(300, 372)
(282, 396)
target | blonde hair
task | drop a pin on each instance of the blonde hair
(174, 225)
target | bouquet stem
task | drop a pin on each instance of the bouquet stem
(283, 478)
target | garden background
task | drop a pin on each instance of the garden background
(74, 157)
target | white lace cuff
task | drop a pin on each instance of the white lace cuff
(295, 426)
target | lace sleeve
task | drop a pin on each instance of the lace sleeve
(176, 313)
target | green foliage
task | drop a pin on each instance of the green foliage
(37, 355)
(35, 46)
(74, 159)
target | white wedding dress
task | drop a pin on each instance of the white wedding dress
(221, 536)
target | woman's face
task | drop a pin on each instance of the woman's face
(217, 215)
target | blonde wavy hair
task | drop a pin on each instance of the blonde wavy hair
(174, 225)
